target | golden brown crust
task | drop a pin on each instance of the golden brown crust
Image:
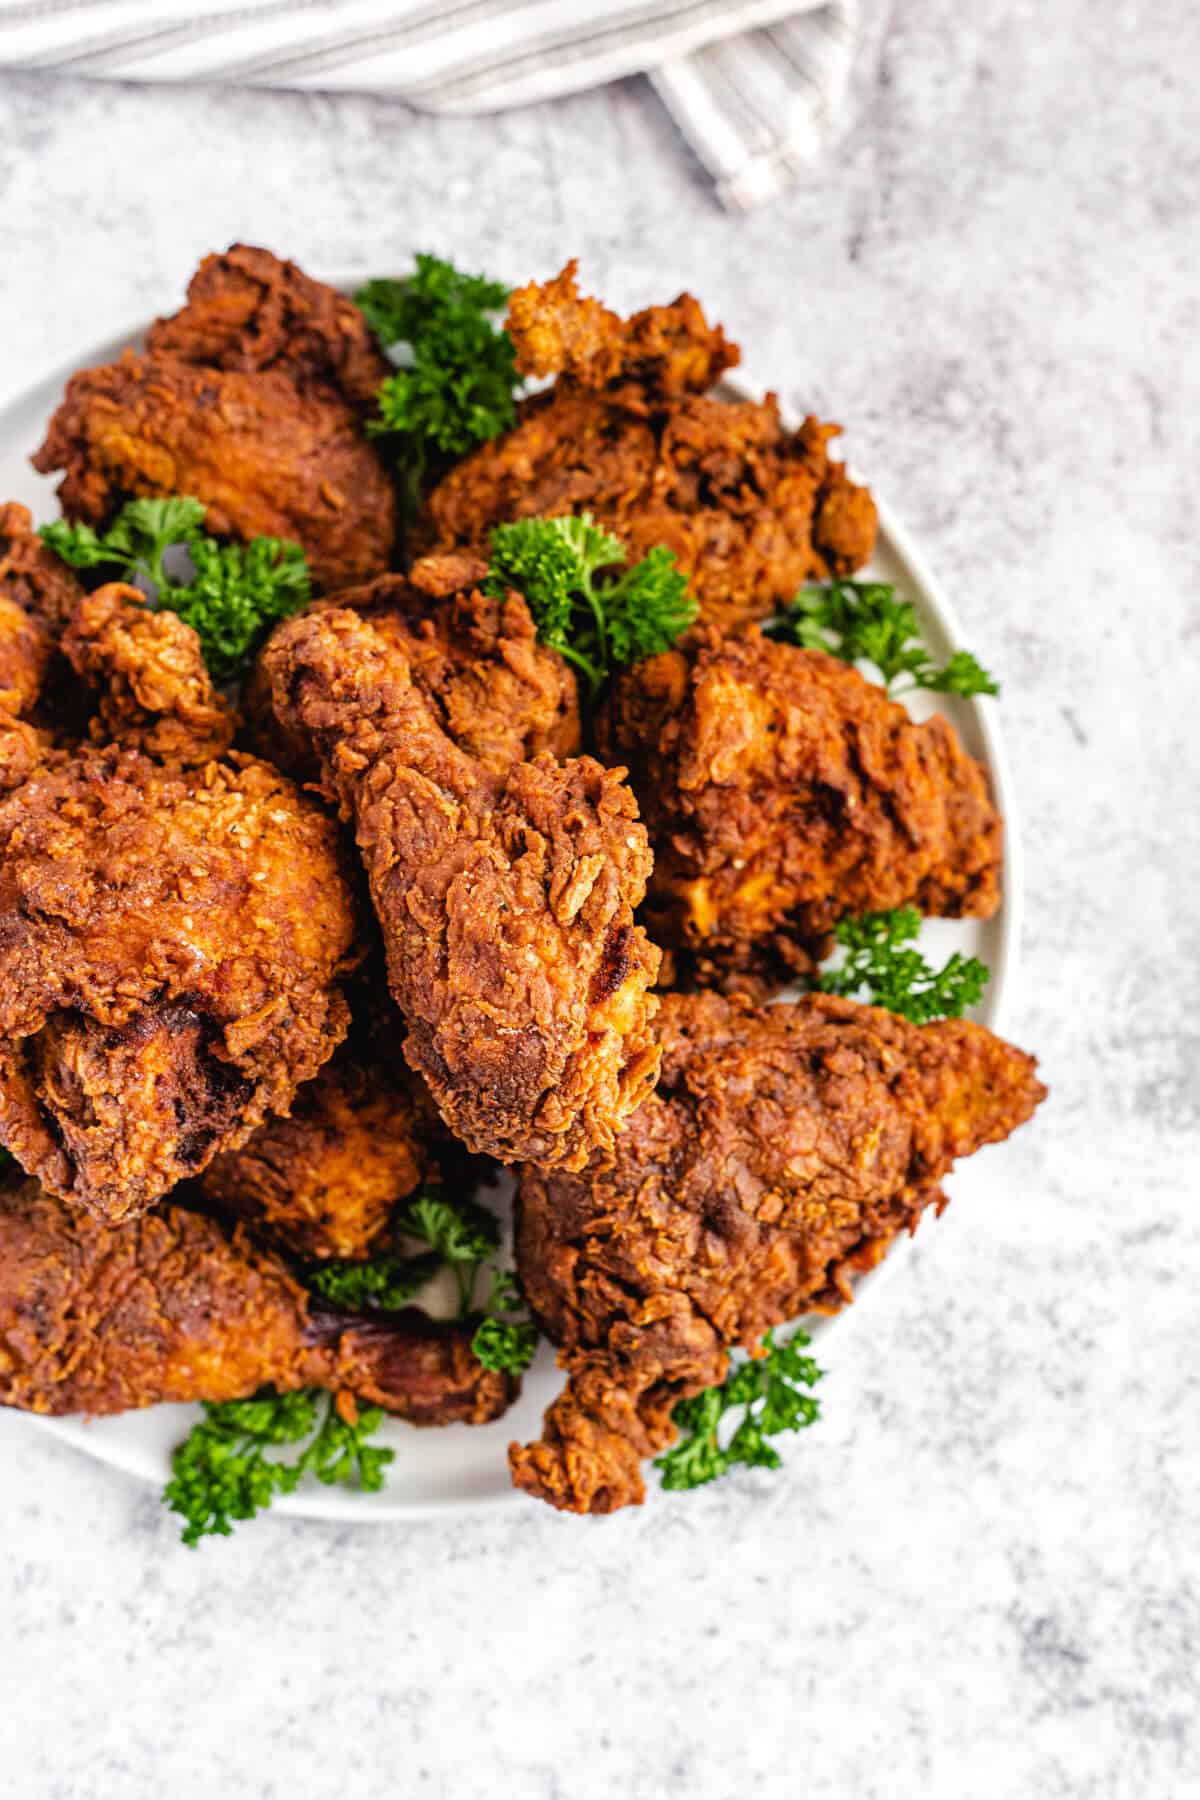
(174, 1308)
(784, 1149)
(155, 693)
(248, 310)
(781, 790)
(325, 1180)
(31, 575)
(505, 896)
(267, 458)
(170, 947)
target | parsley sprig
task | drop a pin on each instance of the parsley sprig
(881, 966)
(236, 591)
(771, 1395)
(385, 1282)
(225, 1470)
(863, 621)
(456, 379)
(598, 625)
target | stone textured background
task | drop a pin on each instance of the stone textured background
(980, 1579)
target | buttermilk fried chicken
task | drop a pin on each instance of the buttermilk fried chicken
(170, 948)
(173, 1307)
(267, 457)
(31, 576)
(154, 691)
(38, 594)
(249, 310)
(325, 1180)
(782, 790)
(493, 688)
(505, 896)
(627, 432)
(784, 1150)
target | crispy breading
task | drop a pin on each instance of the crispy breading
(155, 693)
(629, 433)
(173, 1307)
(782, 790)
(250, 310)
(505, 897)
(38, 593)
(784, 1150)
(39, 582)
(171, 944)
(266, 457)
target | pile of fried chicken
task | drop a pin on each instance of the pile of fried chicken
(265, 966)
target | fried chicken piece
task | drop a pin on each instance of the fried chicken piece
(173, 1307)
(31, 576)
(155, 692)
(785, 1149)
(170, 949)
(37, 595)
(494, 689)
(505, 897)
(267, 458)
(660, 354)
(248, 310)
(325, 1181)
(749, 509)
(781, 790)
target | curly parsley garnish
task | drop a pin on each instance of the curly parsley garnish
(862, 621)
(237, 592)
(598, 625)
(456, 378)
(770, 1394)
(222, 1471)
(881, 966)
(384, 1282)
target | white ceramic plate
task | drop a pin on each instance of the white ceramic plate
(462, 1468)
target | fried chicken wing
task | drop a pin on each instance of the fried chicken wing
(505, 896)
(267, 457)
(249, 310)
(781, 790)
(325, 1180)
(173, 1307)
(155, 693)
(785, 1148)
(171, 944)
(494, 689)
(628, 432)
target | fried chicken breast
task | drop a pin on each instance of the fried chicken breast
(505, 897)
(267, 457)
(629, 433)
(173, 1307)
(782, 790)
(784, 1150)
(171, 943)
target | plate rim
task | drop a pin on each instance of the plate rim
(331, 1507)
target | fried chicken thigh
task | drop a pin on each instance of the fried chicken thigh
(173, 1307)
(171, 944)
(505, 896)
(267, 457)
(629, 433)
(784, 1150)
(782, 790)
(248, 310)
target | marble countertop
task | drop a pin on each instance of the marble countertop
(980, 1579)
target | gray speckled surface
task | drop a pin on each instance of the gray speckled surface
(980, 1580)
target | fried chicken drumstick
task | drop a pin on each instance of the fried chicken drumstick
(505, 895)
(785, 1148)
(171, 944)
(175, 1308)
(629, 433)
(781, 790)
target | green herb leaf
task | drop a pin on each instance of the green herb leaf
(222, 1473)
(881, 966)
(598, 625)
(507, 1339)
(456, 383)
(466, 1236)
(384, 1283)
(767, 1395)
(863, 621)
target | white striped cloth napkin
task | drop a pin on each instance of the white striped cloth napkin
(755, 86)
